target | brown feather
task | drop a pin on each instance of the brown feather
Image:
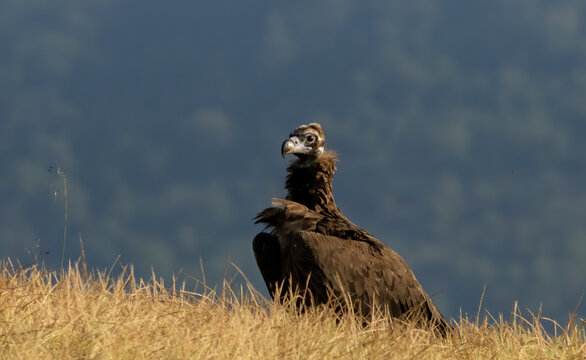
(321, 251)
(309, 182)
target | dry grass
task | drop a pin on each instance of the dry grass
(46, 315)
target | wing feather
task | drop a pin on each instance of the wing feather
(268, 258)
(328, 255)
(383, 278)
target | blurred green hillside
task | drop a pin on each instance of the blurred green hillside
(460, 127)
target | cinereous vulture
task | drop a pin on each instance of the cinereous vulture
(308, 245)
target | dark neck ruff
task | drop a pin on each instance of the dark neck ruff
(310, 183)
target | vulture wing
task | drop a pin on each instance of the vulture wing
(343, 259)
(371, 277)
(268, 258)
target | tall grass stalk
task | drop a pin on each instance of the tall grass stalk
(63, 177)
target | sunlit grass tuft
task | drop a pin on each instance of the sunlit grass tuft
(45, 314)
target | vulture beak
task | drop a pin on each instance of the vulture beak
(288, 147)
(293, 145)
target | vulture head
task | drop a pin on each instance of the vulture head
(307, 141)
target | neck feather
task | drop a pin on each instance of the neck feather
(309, 182)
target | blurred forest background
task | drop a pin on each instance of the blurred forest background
(460, 125)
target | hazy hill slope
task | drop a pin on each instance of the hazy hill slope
(460, 128)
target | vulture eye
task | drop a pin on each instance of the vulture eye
(310, 138)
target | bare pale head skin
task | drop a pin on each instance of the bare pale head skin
(305, 141)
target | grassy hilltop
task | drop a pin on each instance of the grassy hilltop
(76, 315)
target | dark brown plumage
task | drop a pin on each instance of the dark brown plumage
(312, 246)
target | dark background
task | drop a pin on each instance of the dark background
(460, 126)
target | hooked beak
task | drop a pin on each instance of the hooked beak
(287, 148)
(293, 146)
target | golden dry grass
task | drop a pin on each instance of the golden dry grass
(47, 315)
